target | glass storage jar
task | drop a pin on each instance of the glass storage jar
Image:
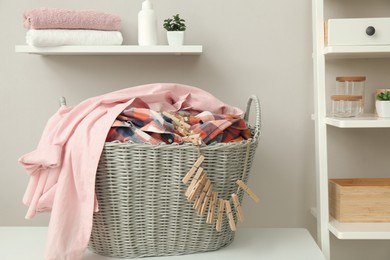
(348, 101)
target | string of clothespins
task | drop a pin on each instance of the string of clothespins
(200, 189)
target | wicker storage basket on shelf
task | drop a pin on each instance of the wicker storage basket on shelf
(142, 207)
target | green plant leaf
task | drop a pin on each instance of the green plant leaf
(174, 24)
(384, 96)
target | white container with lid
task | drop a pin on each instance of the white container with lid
(348, 101)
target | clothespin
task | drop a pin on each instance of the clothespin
(237, 205)
(248, 191)
(198, 187)
(213, 203)
(183, 124)
(230, 215)
(199, 161)
(220, 215)
(182, 131)
(206, 200)
(195, 139)
(193, 169)
(194, 181)
(202, 196)
(176, 120)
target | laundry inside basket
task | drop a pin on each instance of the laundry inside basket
(143, 125)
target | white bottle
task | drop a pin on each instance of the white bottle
(147, 25)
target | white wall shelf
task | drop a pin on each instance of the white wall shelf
(364, 121)
(359, 230)
(112, 50)
(357, 52)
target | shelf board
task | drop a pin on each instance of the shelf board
(364, 121)
(112, 50)
(358, 52)
(359, 230)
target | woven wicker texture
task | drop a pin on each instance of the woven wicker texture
(142, 207)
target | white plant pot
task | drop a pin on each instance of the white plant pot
(175, 38)
(382, 108)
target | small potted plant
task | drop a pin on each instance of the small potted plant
(382, 103)
(175, 27)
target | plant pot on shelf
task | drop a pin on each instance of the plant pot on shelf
(382, 103)
(382, 108)
(175, 27)
(175, 38)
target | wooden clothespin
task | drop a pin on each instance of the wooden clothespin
(221, 208)
(237, 205)
(189, 174)
(206, 200)
(182, 131)
(202, 196)
(213, 203)
(198, 187)
(248, 191)
(183, 124)
(177, 120)
(194, 181)
(230, 215)
(195, 139)
(199, 161)
(193, 169)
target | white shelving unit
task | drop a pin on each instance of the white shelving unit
(321, 54)
(112, 50)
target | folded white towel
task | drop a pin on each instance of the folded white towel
(58, 37)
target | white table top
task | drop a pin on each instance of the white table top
(18, 243)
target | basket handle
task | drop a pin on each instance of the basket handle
(62, 101)
(255, 99)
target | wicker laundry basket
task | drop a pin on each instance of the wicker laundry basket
(142, 208)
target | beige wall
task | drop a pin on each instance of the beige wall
(250, 47)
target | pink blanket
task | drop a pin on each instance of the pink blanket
(56, 18)
(63, 167)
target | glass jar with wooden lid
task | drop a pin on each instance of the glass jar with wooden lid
(348, 100)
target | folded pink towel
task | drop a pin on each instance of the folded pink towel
(56, 18)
